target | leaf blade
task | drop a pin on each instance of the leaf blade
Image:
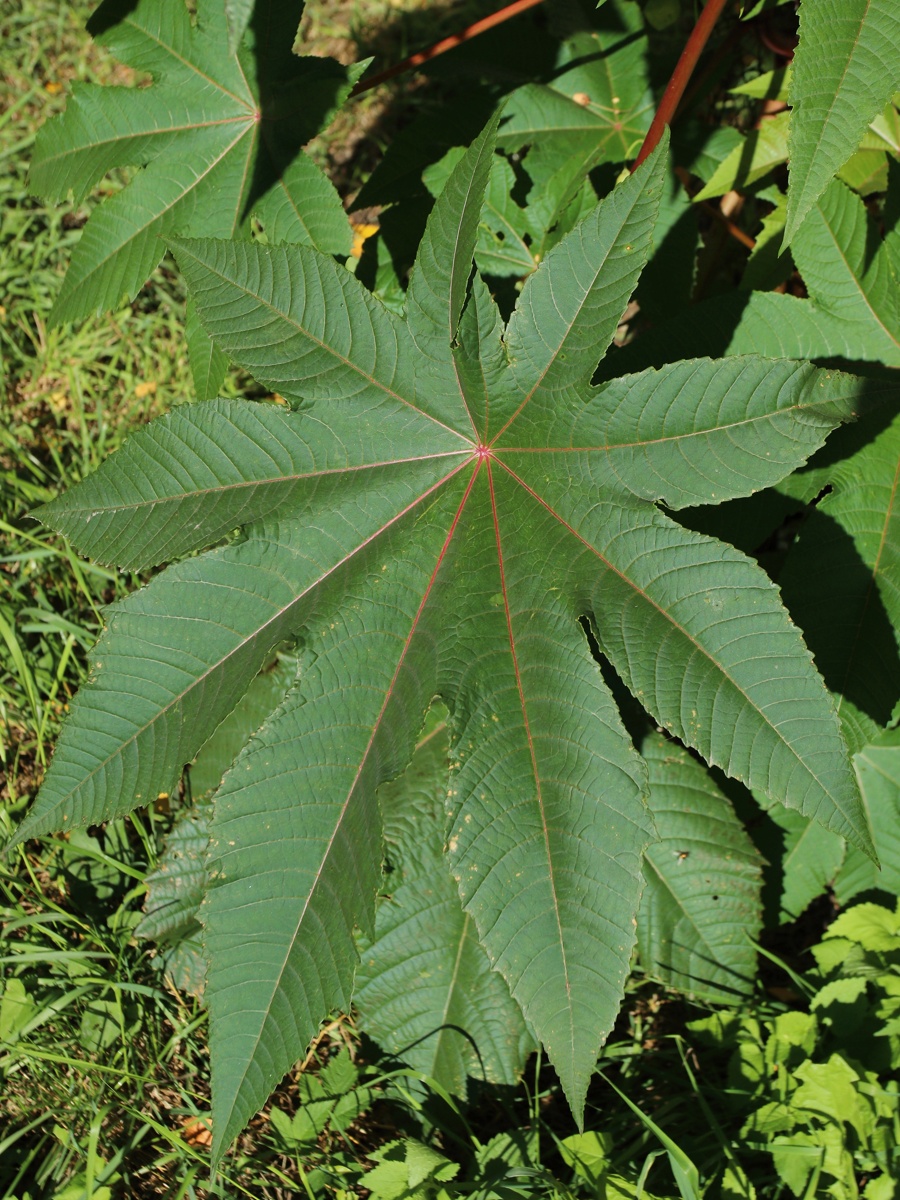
(564, 321)
(425, 989)
(192, 476)
(846, 66)
(700, 912)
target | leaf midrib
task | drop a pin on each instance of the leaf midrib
(857, 282)
(115, 251)
(831, 106)
(228, 488)
(539, 795)
(399, 328)
(588, 294)
(675, 437)
(196, 34)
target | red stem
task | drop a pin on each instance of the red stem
(447, 43)
(680, 76)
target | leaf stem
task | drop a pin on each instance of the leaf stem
(683, 70)
(445, 44)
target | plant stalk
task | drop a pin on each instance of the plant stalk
(683, 70)
(445, 44)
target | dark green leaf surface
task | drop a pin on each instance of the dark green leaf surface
(217, 134)
(810, 859)
(432, 522)
(425, 989)
(208, 363)
(175, 889)
(852, 539)
(700, 912)
(846, 67)
(878, 768)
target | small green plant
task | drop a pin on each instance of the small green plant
(816, 1090)
(466, 502)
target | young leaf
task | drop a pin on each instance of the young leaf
(217, 134)
(700, 912)
(846, 66)
(479, 513)
(425, 989)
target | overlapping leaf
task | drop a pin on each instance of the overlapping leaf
(846, 67)
(700, 912)
(596, 109)
(438, 518)
(853, 539)
(218, 134)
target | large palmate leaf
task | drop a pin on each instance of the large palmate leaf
(443, 513)
(425, 989)
(846, 67)
(701, 912)
(218, 135)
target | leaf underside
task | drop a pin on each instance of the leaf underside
(445, 505)
(701, 912)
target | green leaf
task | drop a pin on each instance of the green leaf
(259, 702)
(174, 894)
(809, 863)
(217, 134)
(175, 889)
(208, 363)
(846, 66)
(850, 283)
(425, 989)
(700, 912)
(851, 538)
(555, 335)
(408, 1170)
(878, 768)
(198, 489)
(303, 206)
(853, 311)
(760, 152)
(453, 534)
(237, 14)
